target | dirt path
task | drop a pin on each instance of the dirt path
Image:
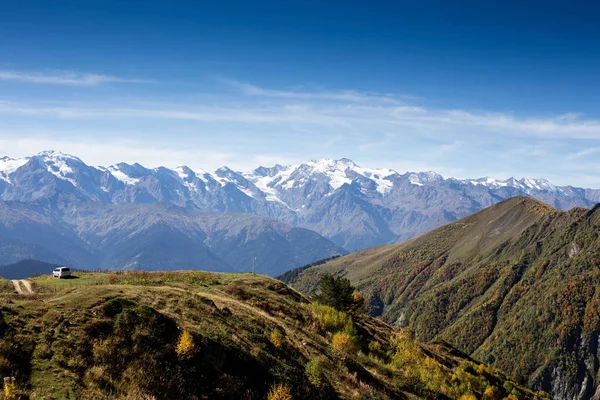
(22, 286)
(17, 287)
(27, 285)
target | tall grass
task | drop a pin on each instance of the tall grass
(162, 277)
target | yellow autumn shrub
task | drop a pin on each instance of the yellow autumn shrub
(10, 389)
(491, 393)
(342, 344)
(276, 338)
(280, 392)
(185, 345)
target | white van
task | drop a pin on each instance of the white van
(61, 272)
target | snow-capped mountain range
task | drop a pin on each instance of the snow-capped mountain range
(354, 207)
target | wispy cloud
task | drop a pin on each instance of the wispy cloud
(341, 95)
(372, 117)
(64, 78)
(270, 125)
(583, 153)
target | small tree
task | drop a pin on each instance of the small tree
(336, 292)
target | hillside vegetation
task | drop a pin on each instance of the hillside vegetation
(515, 285)
(198, 335)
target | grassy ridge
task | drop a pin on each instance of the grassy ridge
(198, 335)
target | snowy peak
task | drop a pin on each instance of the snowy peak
(226, 174)
(489, 182)
(525, 184)
(329, 165)
(63, 166)
(335, 173)
(424, 178)
(53, 155)
(9, 165)
(265, 171)
(538, 184)
(128, 174)
(353, 205)
(296, 187)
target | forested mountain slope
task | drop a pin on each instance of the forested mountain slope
(516, 285)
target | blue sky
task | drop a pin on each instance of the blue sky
(464, 88)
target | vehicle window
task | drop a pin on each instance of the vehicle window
(66, 269)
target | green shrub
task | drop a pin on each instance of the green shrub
(314, 371)
(276, 338)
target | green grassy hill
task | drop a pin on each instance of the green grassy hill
(198, 335)
(516, 285)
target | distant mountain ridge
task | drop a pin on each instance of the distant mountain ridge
(354, 207)
(89, 235)
(25, 269)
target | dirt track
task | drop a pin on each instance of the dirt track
(22, 286)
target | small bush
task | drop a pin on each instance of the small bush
(358, 302)
(342, 344)
(376, 349)
(491, 393)
(185, 344)
(276, 338)
(10, 389)
(407, 352)
(329, 319)
(314, 371)
(280, 392)
(541, 395)
(405, 333)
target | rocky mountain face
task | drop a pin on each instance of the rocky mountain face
(352, 206)
(516, 285)
(156, 236)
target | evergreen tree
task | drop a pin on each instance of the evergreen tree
(336, 292)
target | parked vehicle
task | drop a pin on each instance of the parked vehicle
(61, 272)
